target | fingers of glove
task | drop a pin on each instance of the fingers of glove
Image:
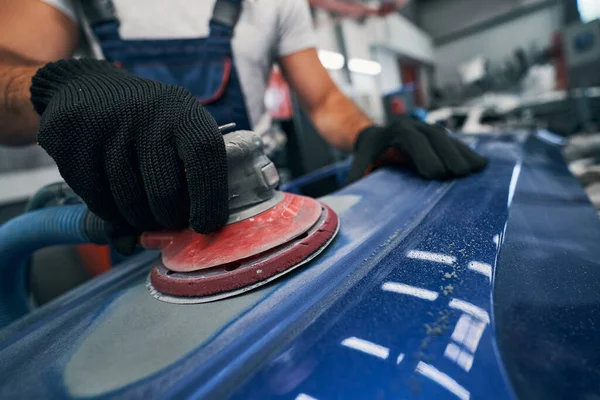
(446, 149)
(416, 145)
(123, 238)
(475, 161)
(77, 159)
(201, 147)
(164, 181)
(371, 143)
(357, 169)
(126, 184)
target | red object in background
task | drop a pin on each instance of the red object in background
(354, 9)
(278, 97)
(392, 156)
(557, 52)
(95, 258)
(410, 74)
(398, 105)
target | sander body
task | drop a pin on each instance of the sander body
(268, 234)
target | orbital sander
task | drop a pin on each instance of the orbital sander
(269, 233)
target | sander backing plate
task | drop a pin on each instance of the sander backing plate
(237, 277)
(188, 251)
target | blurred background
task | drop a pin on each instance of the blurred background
(475, 66)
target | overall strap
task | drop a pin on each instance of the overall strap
(227, 13)
(98, 11)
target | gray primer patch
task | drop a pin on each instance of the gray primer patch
(342, 203)
(138, 335)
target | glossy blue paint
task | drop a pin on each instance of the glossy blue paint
(484, 287)
(547, 291)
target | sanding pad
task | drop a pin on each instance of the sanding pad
(188, 251)
(240, 275)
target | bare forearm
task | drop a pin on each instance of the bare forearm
(18, 120)
(339, 120)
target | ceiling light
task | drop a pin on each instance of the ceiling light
(331, 59)
(361, 66)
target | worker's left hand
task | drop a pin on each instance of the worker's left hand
(427, 148)
(143, 155)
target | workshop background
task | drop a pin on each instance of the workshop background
(475, 66)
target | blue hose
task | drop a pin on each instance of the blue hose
(20, 237)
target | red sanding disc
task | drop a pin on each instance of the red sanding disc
(245, 274)
(187, 251)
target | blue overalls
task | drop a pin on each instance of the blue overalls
(204, 66)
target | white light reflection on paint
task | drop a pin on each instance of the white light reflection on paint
(400, 358)
(429, 256)
(460, 356)
(366, 347)
(513, 182)
(481, 268)
(443, 380)
(462, 328)
(303, 396)
(465, 361)
(452, 351)
(496, 240)
(549, 136)
(467, 334)
(474, 334)
(401, 288)
(470, 309)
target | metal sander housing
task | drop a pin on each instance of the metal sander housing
(268, 234)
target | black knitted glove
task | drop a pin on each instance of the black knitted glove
(428, 148)
(142, 155)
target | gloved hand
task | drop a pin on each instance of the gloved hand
(141, 154)
(427, 148)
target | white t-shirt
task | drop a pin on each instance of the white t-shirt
(267, 30)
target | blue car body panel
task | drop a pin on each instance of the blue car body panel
(484, 287)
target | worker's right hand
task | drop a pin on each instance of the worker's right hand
(429, 149)
(141, 154)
